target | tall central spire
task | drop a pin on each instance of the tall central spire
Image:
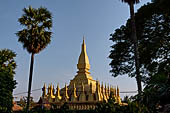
(83, 66)
(83, 62)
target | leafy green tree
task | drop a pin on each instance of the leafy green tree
(135, 41)
(36, 34)
(122, 53)
(112, 107)
(153, 26)
(156, 93)
(154, 30)
(153, 35)
(7, 82)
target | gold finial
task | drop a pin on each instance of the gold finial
(44, 85)
(110, 87)
(117, 91)
(74, 85)
(65, 96)
(65, 86)
(58, 86)
(57, 95)
(44, 90)
(74, 96)
(118, 96)
(83, 62)
(66, 93)
(53, 90)
(74, 93)
(48, 90)
(58, 90)
(102, 85)
(105, 85)
(83, 40)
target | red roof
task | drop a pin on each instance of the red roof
(16, 107)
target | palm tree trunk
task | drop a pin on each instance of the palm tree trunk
(30, 82)
(134, 37)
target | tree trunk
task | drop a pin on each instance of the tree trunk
(135, 41)
(30, 82)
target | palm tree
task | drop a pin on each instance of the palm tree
(134, 37)
(35, 36)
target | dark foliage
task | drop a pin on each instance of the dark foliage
(112, 107)
(36, 34)
(7, 82)
(153, 31)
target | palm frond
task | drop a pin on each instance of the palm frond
(36, 35)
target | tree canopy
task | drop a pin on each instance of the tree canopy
(153, 38)
(153, 32)
(7, 82)
(37, 24)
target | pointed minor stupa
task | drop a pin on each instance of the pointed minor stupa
(118, 96)
(44, 91)
(74, 95)
(65, 96)
(57, 95)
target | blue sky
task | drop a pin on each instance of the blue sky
(95, 19)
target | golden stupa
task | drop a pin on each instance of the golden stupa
(83, 92)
